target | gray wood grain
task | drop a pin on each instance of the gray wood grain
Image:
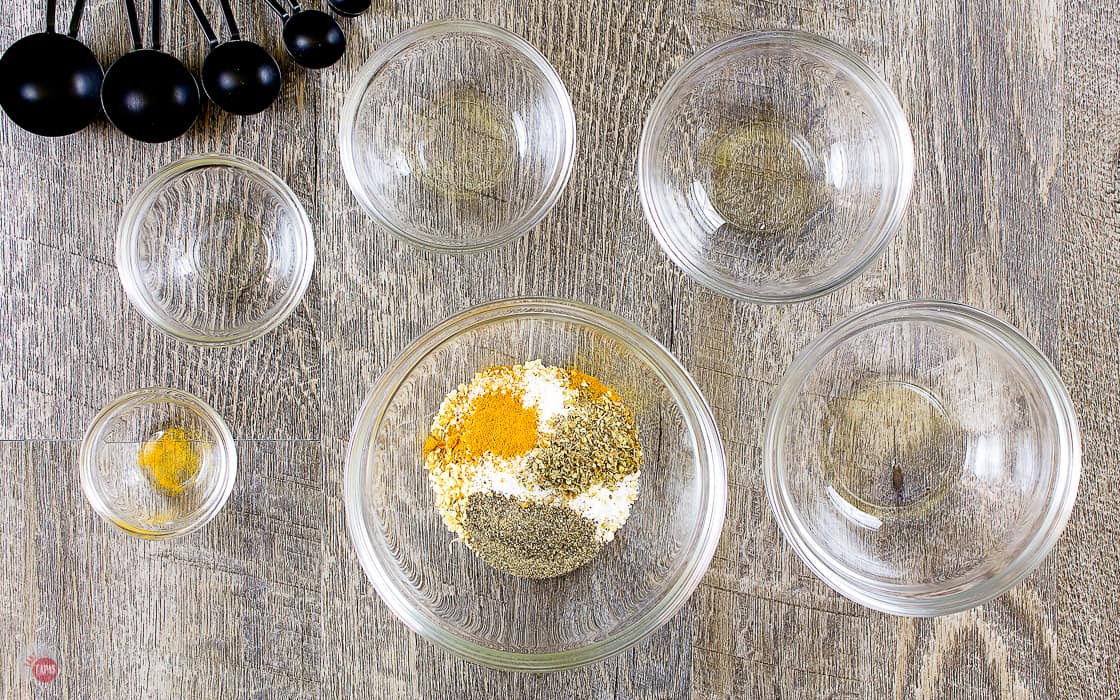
(1086, 563)
(1013, 106)
(232, 611)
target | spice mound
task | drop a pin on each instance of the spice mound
(534, 467)
(170, 461)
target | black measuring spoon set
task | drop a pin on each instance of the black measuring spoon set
(51, 84)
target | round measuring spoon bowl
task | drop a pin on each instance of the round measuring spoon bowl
(50, 84)
(349, 8)
(241, 77)
(150, 96)
(314, 39)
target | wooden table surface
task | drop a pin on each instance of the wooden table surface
(1015, 109)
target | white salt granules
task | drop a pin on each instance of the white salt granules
(608, 507)
(546, 388)
(504, 476)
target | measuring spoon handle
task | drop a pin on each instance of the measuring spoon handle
(133, 25)
(231, 23)
(49, 25)
(200, 15)
(157, 42)
(76, 18)
(278, 9)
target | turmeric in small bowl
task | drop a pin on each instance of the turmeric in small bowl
(170, 461)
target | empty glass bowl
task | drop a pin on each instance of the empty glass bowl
(145, 487)
(775, 166)
(922, 457)
(457, 136)
(442, 590)
(215, 250)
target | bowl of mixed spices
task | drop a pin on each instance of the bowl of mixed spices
(158, 463)
(535, 484)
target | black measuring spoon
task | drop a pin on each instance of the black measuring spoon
(349, 8)
(50, 83)
(148, 94)
(238, 75)
(313, 38)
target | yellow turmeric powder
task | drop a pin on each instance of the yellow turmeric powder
(500, 424)
(584, 382)
(170, 461)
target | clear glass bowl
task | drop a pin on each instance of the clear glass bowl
(922, 457)
(118, 487)
(440, 589)
(775, 166)
(215, 250)
(457, 136)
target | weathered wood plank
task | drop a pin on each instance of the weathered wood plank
(983, 89)
(1087, 560)
(231, 611)
(594, 247)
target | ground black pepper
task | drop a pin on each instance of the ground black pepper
(528, 539)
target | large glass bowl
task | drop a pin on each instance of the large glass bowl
(440, 589)
(922, 457)
(457, 136)
(775, 166)
(215, 250)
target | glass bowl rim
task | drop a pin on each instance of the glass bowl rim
(710, 461)
(126, 402)
(889, 113)
(923, 600)
(128, 240)
(545, 201)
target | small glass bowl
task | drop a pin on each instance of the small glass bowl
(215, 250)
(457, 136)
(922, 457)
(775, 166)
(119, 488)
(440, 589)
